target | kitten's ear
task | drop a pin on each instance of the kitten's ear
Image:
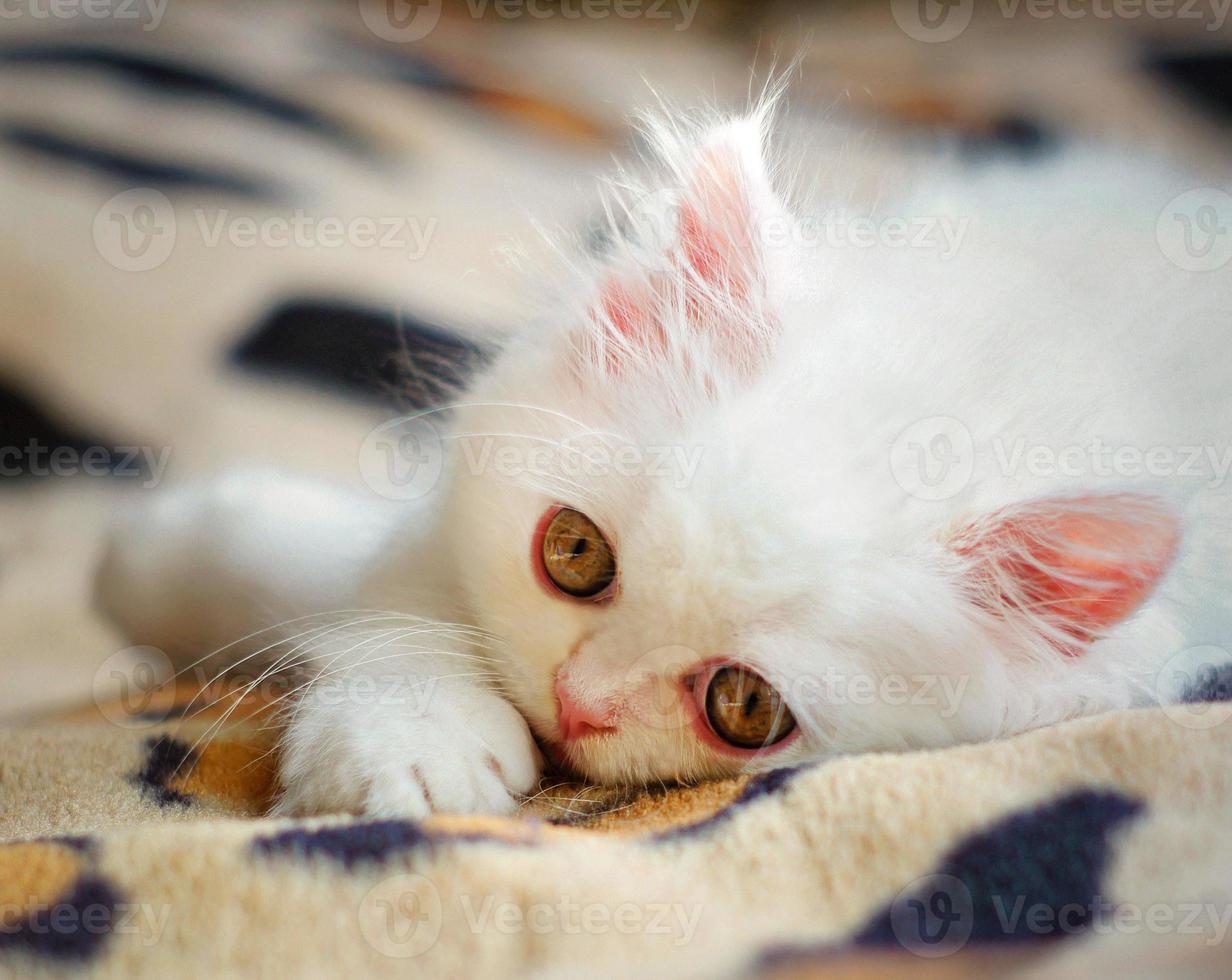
(700, 280)
(1070, 568)
(725, 210)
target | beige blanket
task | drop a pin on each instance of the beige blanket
(142, 850)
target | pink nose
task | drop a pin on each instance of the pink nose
(576, 719)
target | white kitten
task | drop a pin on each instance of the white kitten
(743, 498)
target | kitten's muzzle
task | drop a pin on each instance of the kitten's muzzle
(577, 719)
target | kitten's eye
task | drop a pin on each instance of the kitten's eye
(576, 556)
(745, 711)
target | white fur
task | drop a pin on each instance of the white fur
(791, 547)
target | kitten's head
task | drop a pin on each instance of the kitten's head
(691, 547)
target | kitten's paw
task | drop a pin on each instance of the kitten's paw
(466, 750)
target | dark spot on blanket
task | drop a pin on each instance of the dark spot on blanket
(1017, 136)
(34, 444)
(1035, 874)
(1212, 682)
(372, 353)
(348, 845)
(166, 759)
(1204, 77)
(766, 784)
(71, 927)
(165, 78)
(132, 169)
(372, 841)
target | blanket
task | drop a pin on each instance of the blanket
(137, 846)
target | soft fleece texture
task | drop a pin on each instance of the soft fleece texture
(157, 860)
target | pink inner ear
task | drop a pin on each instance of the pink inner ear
(714, 271)
(1075, 567)
(723, 202)
(633, 313)
(718, 224)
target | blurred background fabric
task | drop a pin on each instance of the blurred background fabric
(230, 229)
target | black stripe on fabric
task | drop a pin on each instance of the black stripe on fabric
(170, 79)
(1204, 77)
(131, 169)
(356, 350)
(33, 444)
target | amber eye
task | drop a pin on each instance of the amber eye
(576, 556)
(745, 711)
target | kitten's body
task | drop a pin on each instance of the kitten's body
(898, 590)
